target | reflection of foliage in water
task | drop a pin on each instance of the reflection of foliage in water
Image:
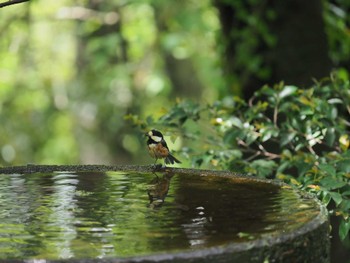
(96, 215)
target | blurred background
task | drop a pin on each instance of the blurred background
(70, 71)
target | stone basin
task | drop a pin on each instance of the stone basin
(99, 213)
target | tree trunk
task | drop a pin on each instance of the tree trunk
(181, 72)
(283, 41)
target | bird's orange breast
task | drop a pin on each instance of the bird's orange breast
(158, 150)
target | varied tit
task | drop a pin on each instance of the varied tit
(158, 148)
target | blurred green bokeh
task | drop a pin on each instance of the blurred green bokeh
(71, 70)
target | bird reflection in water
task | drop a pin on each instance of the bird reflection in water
(158, 190)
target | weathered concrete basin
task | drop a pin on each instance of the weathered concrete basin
(99, 213)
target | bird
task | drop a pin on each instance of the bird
(158, 148)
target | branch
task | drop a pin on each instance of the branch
(12, 2)
(275, 114)
(269, 155)
(252, 156)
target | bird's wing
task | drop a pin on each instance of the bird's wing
(164, 144)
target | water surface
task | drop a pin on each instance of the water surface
(113, 214)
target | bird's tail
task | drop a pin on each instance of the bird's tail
(170, 159)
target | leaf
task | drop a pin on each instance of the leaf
(230, 136)
(335, 101)
(266, 90)
(330, 136)
(283, 166)
(303, 167)
(234, 121)
(287, 138)
(337, 198)
(307, 111)
(332, 113)
(315, 187)
(232, 154)
(331, 183)
(328, 169)
(344, 228)
(306, 101)
(294, 181)
(346, 193)
(344, 142)
(268, 132)
(326, 198)
(344, 166)
(263, 167)
(287, 91)
(251, 137)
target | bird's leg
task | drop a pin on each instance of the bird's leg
(155, 165)
(164, 164)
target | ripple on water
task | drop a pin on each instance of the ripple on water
(98, 215)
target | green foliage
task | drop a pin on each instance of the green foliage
(71, 71)
(337, 22)
(248, 59)
(300, 136)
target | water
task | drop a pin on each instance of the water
(101, 215)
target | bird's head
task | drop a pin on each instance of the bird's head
(155, 135)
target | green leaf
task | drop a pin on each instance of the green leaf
(346, 193)
(326, 198)
(331, 183)
(329, 169)
(251, 137)
(263, 167)
(268, 132)
(344, 228)
(287, 91)
(230, 136)
(330, 136)
(307, 111)
(266, 90)
(303, 168)
(332, 114)
(236, 122)
(232, 154)
(337, 198)
(283, 166)
(335, 101)
(287, 138)
(344, 166)
(345, 206)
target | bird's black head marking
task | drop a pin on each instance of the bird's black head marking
(155, 136)
(156, 133)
